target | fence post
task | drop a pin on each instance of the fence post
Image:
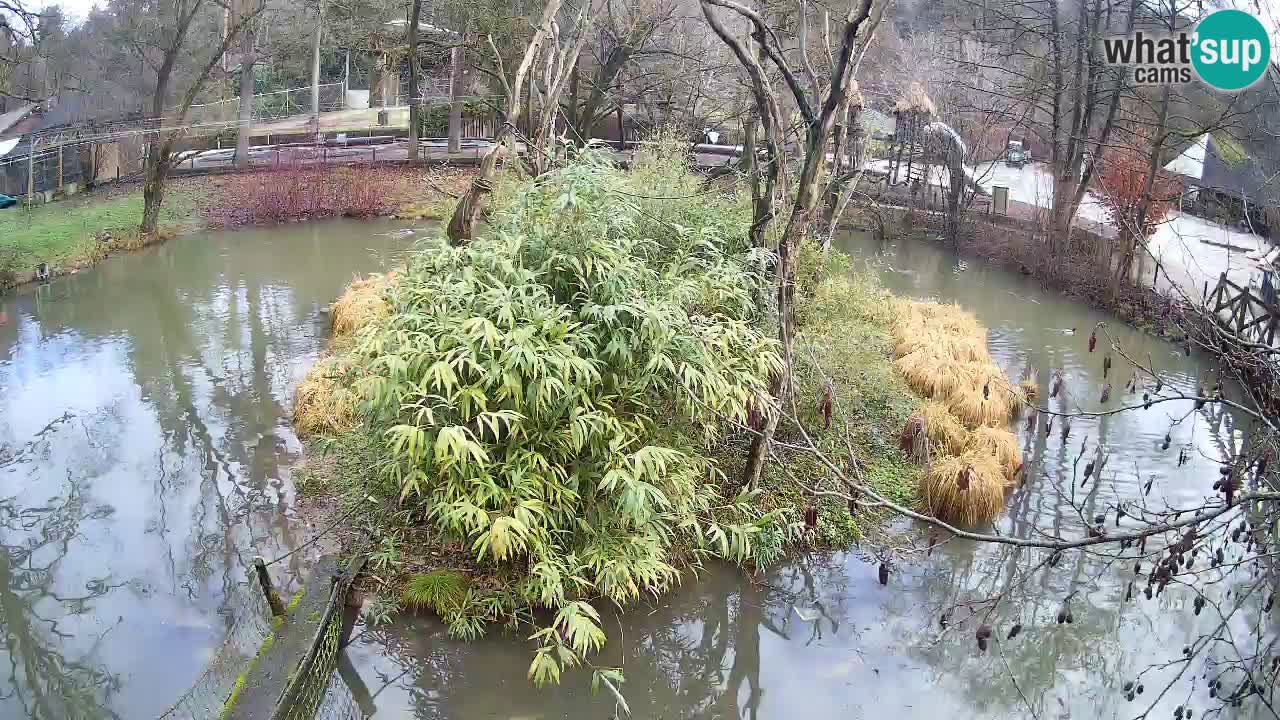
(264, 581)
(31, 174)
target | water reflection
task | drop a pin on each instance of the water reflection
(144, 454)
(819, 636)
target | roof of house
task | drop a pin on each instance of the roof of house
(1229, 168)
(13, 117)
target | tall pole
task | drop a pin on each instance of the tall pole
(315, 66)
(346, 77)
(455, 100)
(415, 114)
(31, 174)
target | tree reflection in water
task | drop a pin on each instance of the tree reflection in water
(695, 654)
(43, 683)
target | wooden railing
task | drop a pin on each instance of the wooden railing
(1242, 313)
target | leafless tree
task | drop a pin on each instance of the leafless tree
(163, 37)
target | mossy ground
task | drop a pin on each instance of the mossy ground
(844, 337)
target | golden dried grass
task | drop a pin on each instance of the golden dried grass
(975, 410)
(942, 353)
(997, 443)
(1030, 389)
(930, 374)
(324, 403)
(946, 432)
(361, 304)
(968, 490)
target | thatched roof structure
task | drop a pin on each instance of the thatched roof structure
(916, 100)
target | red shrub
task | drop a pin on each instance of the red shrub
(300, 192)
(1124, 175)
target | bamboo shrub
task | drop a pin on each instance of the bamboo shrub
(548, 393)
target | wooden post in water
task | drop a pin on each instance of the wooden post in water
(264, 580)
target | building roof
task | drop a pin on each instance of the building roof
(1191, 162)
(1229, 168)
(13, 117)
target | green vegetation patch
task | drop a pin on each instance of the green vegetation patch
(844, 343)
(551, 415)
(75, 232)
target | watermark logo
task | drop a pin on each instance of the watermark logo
(1229, 50)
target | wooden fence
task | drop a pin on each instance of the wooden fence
(1239, 311)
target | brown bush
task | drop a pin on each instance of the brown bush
(301, 192)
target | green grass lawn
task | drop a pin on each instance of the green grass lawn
(63, 233)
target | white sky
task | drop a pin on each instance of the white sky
(1267, 10)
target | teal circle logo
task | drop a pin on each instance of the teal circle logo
(1231, 50)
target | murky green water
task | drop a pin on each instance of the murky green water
(144, 453)
(819, 637)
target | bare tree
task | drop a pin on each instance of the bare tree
(817, 108)
(559, 56)
(163, 39)
(415, 78)
(18, 38)
(248, 63)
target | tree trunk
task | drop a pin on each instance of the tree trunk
(1138, 231)
(455, 100)
(415, 107)
(157, 172)
(955, 188)
(248, 59)
(467, 213)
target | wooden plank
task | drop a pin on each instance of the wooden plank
(1256, 319)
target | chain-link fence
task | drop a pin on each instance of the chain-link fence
(205, 698)
(270, 106)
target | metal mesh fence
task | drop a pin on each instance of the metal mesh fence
(338, 702)
(320, 676)
(205, 698)
(269, 106)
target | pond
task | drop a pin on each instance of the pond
(818, 636)
(145, 446)
(145, 449)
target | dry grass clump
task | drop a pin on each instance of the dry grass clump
(914, 440)
(942, 353)
(999, 444)
(361, 304)
(968, 489)
(930, 374)
(975, 410)
(945, 430)
(1030, 384)
(324, 403)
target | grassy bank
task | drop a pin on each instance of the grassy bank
(555, 415)
(78, 232)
